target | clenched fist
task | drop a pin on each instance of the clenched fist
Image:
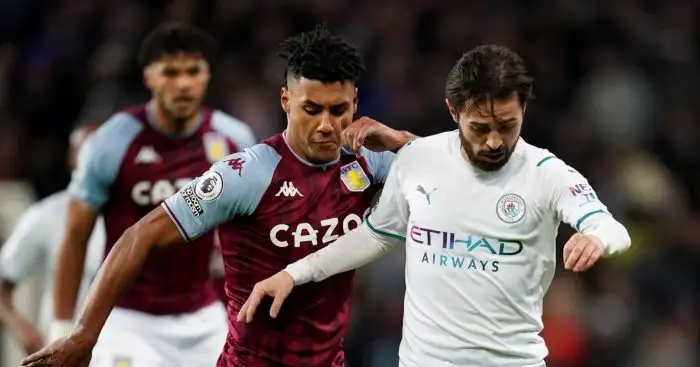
(581, 252)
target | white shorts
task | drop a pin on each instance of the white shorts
(136, 339)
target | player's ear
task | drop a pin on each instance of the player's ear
(354, 103)
(148, 77)
(284, 99)
(453, 112)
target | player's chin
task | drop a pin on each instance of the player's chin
(325, 152)
(491, 164)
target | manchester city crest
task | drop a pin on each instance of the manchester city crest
(354, 177)
(510, 208)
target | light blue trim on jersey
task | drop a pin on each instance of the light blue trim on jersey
(100, 159)
(585, 216)
(240, 195)
(235, 129)
(379, 163)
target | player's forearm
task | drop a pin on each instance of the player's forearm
(351, 251)
(120, 268)
(611, 233)
(69, 272)
(404, 137)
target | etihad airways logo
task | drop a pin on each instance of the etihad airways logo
(463, 251)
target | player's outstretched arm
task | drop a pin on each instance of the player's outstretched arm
(120, 268)
(384, 228)
(374, 136)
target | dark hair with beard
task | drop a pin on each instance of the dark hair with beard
(319, 55)
(173, 38)
(488, 73)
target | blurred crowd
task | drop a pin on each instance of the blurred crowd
(616, 98)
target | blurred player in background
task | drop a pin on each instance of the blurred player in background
(274, 203)
(33, 247)
(478, 209)
(171, 316)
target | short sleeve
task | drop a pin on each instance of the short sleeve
(25, 246)
(379, 164)
(232, 187)
(390, 216)
(571, 195)
(100, 158)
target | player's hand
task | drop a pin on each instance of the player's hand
(581, 252)
(70, 351)
(27, 336)
(277, 286)
(373, 135)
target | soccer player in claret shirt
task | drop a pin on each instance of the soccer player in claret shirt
(273, 204)
(138, 158)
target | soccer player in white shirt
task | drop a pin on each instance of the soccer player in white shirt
(33, 246)
(478, 209)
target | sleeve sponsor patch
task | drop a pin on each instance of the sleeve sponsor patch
(192, 202)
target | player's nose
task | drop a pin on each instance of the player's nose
(325, 125)
(184, 82)
(494, 141)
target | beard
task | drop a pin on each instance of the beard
(479, 162)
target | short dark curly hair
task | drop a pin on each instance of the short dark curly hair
(488, 72)
(173, 38)
(320, 55)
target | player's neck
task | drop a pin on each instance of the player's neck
(171, 125)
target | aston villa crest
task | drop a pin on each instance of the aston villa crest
(354, 177)
(215, 146)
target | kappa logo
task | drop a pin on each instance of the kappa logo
(354, 177)
(147, 155)
(288, 190)
(236, 164)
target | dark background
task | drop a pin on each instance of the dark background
(616, 98)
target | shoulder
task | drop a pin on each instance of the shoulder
(115, 134)
(254, 165)
(55, 201)
(424, 148)
(234, 129)
(546, 165)
(44, 211)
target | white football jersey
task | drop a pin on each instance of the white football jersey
(34, 245)
(480, 249)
